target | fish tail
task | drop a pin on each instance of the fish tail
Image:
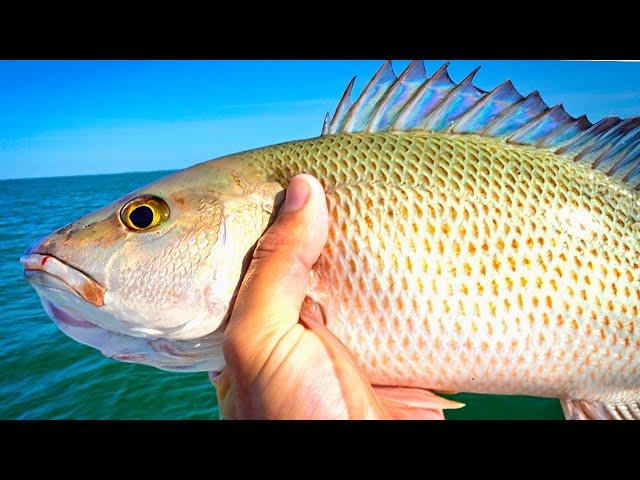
(584, 410)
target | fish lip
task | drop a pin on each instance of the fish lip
(79, 282)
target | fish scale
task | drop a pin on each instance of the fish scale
(466, 263)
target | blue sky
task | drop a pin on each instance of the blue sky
(89, 117)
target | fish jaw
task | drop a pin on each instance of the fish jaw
(83, 285)
(75, 316)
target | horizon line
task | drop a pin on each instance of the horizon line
(88, 174)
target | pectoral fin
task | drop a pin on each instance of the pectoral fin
(415, 397)
(584, 410)
(413, 403)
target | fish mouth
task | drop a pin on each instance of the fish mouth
(70, 297)
(191, 356)
(79, 282)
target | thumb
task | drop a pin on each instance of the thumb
(270, 298)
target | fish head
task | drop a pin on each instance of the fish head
(151, 277)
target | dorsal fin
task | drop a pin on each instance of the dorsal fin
(414, 101)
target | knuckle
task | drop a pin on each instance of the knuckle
(275, 240)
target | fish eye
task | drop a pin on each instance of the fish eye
(144, 213)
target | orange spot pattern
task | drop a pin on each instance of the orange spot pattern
(479, 265)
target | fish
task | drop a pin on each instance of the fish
(479, 241)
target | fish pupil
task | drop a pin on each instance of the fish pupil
(141, 217)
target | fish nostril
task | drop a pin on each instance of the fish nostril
(35, 246)
(65, 231)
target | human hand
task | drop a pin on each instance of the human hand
(282, 362)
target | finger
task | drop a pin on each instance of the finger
(225, 394)
(358, 394)
(270, 297)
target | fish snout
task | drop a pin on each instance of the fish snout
(85, 286)
(50, 242)
(47, 256)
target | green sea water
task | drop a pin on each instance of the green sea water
(46, 375)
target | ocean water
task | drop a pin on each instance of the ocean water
(46, 375)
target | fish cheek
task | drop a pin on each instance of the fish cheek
(160, 276)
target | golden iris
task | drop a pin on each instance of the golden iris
(144, 213)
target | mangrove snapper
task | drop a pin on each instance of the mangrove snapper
(479, 242)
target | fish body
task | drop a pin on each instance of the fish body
(465, 263)
(478, 252)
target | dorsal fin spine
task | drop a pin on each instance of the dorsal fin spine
(633, 176)
(523, 112)
(505, 114)
(438, 115)
(620, 154)
(588, 140)
(387, 100)
(624, 136)
(325, 124)
(568, 134)
(533, 133)
(623, 164)
(364, 97)
(341, 110)
(588, 137)
(466, 120)
(533, 123)
(441, 74)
